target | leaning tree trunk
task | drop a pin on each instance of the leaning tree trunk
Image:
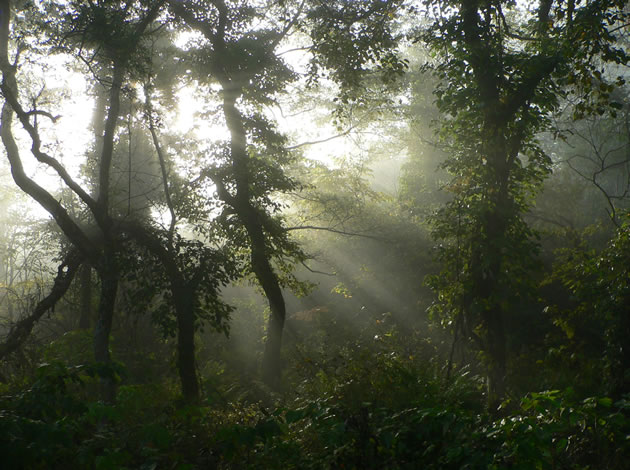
(23, 328)
(241, 201)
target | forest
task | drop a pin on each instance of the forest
(314, 234)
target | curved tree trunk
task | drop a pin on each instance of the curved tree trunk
(251, 218)
(240, 199)
(271, 364)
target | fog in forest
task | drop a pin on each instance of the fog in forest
(314, 234)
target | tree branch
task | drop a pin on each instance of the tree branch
(162, 160)
(23, 328)
(107, 153)
(9, 90)
(29, 186)
(321, 141)
(333, 230)
(38, 112)
(315, 271)
(288, 26)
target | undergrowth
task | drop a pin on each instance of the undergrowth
(378, 410)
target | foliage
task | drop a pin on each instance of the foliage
(351, 39)
(599, 316)
(367, 382)
(404, 419)
(503, 71)
(149, 285)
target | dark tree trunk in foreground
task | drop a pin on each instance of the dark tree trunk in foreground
(183, 298)
(107, 302)
(85, 292)
(488, 142)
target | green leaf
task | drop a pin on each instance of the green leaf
(605, 402)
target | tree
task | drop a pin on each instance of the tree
(239, 54)
(115, 43)
(504, 69)
(187, 276)
(113, 37)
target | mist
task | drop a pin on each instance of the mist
(314, 234)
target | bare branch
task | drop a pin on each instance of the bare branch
(37, 112)
(333, 230)
(295, 49)
(315, 271)
(556, 219)
(9, 91)
(162, 160)
(288, 26)
(321, 141)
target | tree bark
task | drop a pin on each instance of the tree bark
(183, 298)
(272, 363)
(85, 304)
(108, 273)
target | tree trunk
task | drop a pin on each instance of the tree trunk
(497, 361)
(184, 294)
(251, 219)
(494, 316)
(491, 338)
(85, 304)
(241, 201)
(183, 298)
(109, 287)
(271, 364)
(488, 263)
(23, 328)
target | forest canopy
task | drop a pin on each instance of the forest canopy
(314, 234)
